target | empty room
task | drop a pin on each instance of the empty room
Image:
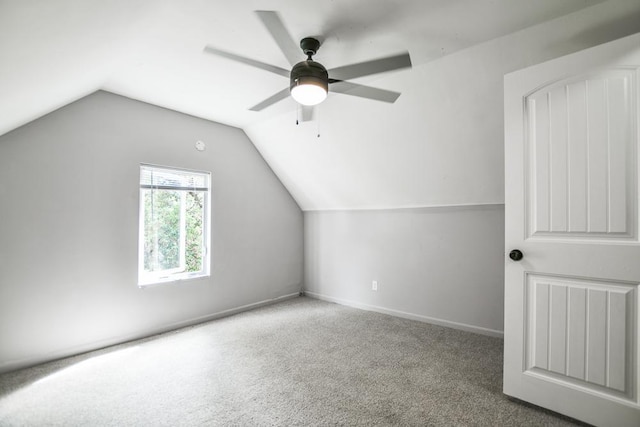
(309, 213)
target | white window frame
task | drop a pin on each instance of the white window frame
(146, 278)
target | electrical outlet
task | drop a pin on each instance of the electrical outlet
(374, 285)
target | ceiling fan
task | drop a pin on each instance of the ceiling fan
(308, 80)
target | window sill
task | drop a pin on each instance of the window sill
(171, 280)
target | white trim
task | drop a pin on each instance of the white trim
(410, 207)
(14, 365)
(406, 315)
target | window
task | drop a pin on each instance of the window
(174, 233)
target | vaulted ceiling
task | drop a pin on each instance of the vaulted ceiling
(356, 153)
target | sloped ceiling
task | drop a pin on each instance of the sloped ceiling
(368, 154)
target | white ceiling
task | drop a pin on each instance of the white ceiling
(54, 52)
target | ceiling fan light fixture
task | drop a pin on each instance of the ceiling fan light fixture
(309, 82)
(309, 90)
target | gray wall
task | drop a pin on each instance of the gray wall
(441, 265)
(438, 265)
(69, 228)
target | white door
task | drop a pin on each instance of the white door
(572, 128)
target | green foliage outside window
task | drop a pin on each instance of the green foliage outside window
(194, 237)
(165, 233)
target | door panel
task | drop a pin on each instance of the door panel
(580, 150)
(582, 332)
(571, 206)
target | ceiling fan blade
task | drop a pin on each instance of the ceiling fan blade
(247, 61)
(271, 100)
(362, 91)
(375, 66)
(279, 32)
(306, 113)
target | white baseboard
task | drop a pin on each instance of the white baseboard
(14, 365)
(230, 312)
(405, 315)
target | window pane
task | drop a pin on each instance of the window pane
(162, 230)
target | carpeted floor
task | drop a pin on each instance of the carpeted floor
(300, 362)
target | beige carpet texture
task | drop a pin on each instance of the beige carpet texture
(302, 362)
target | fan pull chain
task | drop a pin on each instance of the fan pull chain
(317, 118)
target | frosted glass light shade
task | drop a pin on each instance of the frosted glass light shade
(308, 93)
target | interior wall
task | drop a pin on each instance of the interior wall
(442, 141)
(440, 265)
(429, 262)
(69, 228)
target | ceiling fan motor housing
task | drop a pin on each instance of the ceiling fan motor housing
(309, 72)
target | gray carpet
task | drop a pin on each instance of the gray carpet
(301, 362)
